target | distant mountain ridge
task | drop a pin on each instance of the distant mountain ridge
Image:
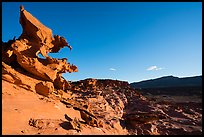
(169, 81)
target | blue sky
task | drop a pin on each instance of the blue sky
(124, 41)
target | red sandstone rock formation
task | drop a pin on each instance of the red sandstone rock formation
(37, 39)
(87, 106)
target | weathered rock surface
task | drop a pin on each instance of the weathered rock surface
(37, 39)
(121, 106)
(44, 88)
(90, 106)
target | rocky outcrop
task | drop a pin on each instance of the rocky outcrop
(18, 77)
(37, 39)
(120, 106)
(89, 106)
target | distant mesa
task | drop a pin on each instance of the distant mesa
(169, 81)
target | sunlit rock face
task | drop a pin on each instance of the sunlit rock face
(38, 39)
(89, 106)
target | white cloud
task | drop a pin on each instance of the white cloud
(112, 69)
(153, 68)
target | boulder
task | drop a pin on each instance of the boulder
(44, 88)
(61, 83)
(72, 123)
(90, 119)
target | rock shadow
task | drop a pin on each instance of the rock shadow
(66, 125)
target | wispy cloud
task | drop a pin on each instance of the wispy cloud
(112, 69)
(151, 68)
